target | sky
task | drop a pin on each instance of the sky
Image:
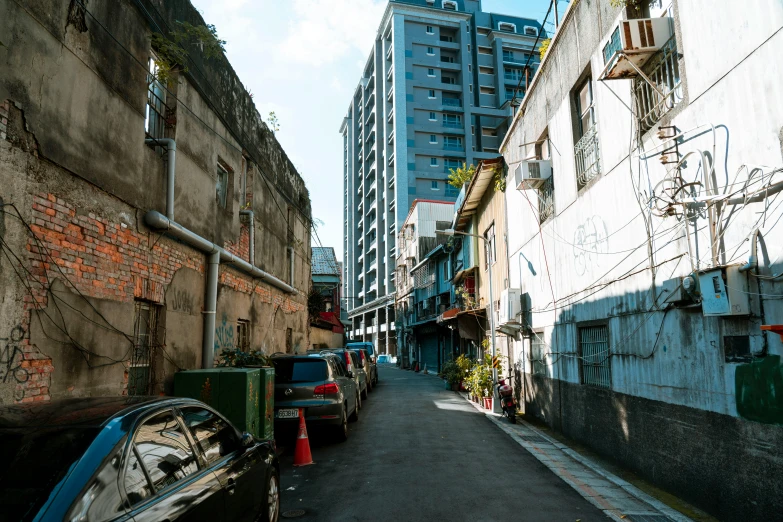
(302, 59)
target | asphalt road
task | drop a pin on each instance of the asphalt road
(421, 453)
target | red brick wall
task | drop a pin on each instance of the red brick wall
(106, 260)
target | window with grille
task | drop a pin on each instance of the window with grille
(586, 151)
(221, 186)
(243, 335)
(664, 91)
(537, 354)
(141, 370)
(594, 356)
(490, 254)
(155, 117)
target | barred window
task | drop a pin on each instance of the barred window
(537, 354)
(594, 356)
(654, 100)
(155, 117)
(141, 371)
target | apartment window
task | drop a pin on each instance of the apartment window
(221, 186)
(145, 342)
(430, 30)
(431, 94)
(594, 356)
(586, 150)
(433, 162)
(510, 93)
(473, 130)
(486, 131)
(467, 27)
(434, 185)
(433, 138)
(513, 73)
(430, 51)
(470, 88)
(483, 89)
(508, 56)
(452, 120)
(537, 353)
(446, 38)
(451, 164)
(484, 31)
(486, 70)
(452, 143)
(484, 50)
(470, 68)
(449, 5)
(449, 80)
(490, 254)
(431, 72)
(507, 27)
(531, 31)
(432, 117)
(242, 338)
(155, 117)
(468, 47)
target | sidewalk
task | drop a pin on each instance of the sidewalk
(619, 499)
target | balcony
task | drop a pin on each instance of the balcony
(454, 147)
(391, 182)
(389, 54)
(450, 124)
(391, 139)
(390, 117)
(390, 95)
(588, 157)
(452, 102)
(391, 159)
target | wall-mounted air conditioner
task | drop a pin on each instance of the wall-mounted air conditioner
(634, 41)
(509, 307)
(531, 174)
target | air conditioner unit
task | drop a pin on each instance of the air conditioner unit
(532, 174)
(509, 307)
(634, 41)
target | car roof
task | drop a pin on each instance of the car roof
(82, 411)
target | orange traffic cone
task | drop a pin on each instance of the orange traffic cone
(302, 456)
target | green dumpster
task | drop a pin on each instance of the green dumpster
(234, 392)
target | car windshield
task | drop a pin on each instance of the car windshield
(299, 370)
(33, 462)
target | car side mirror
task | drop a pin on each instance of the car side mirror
(247, 440)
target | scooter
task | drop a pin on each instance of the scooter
(505, 393)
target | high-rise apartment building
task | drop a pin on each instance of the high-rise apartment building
(436, 92)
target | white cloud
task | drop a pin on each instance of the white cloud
(325, 30)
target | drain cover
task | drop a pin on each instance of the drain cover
(293, 513)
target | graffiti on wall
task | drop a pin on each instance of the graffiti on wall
(759, 390)
(591, 240)
(11, 370)
(224, 335)
(181, 301)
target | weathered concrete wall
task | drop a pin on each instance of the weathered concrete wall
(672, 385)
(76, 257)
(323, 338)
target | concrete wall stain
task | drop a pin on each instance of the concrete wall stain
(11, 357)
(759, 390)
(590, 241)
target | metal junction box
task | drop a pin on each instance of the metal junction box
(234, 392)
(724, 291)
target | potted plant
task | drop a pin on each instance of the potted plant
(451, 375)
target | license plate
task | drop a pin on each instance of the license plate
(289, 413)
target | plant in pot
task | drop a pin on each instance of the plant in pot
(452, 374)
(465, 365)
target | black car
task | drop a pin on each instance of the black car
(136, 459)
(321, 386)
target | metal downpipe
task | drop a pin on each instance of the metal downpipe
(210, 310)
(158, 221)
(291, 269)
(171, 163)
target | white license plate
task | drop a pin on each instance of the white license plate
(289, 413)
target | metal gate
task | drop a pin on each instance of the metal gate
(595, 356)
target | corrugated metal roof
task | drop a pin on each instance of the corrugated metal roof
(325, 261)
(478, 185)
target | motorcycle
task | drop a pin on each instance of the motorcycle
(506, 395)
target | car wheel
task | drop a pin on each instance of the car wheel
(342, 430)
(355, 415)
(270, 510)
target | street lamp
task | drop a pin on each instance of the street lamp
(451, 232)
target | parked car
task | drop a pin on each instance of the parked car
(384, 359)
(351, 360)
(132, 459)
(370, 349)
(321, 385)
(369, 366)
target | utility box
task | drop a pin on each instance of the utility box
(724, 292)
(266, 404)
(234, 392)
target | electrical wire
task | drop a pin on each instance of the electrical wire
(529, 56)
